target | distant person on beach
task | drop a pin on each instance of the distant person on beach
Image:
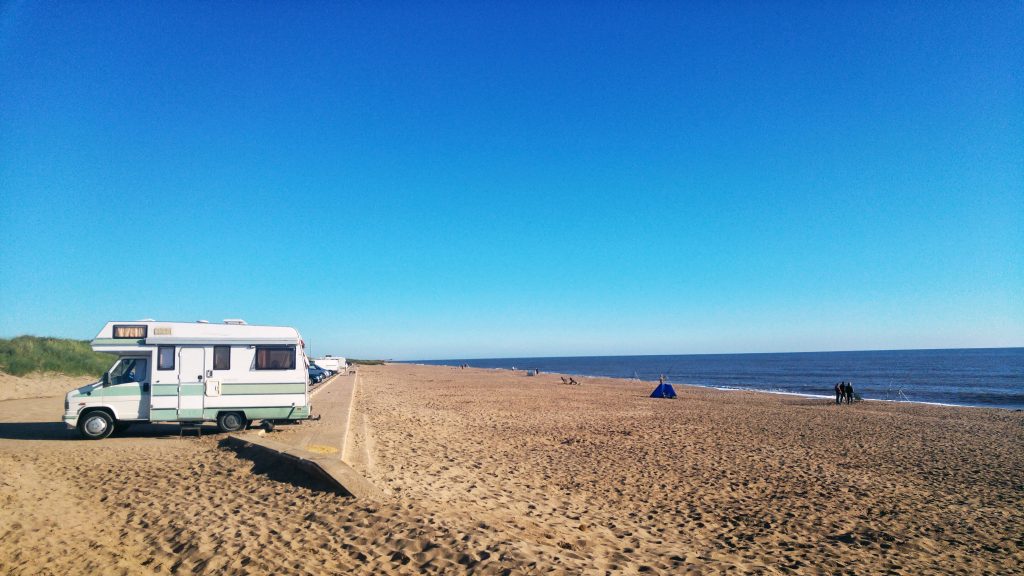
(661, 379)
(849, 392)
(840, 392)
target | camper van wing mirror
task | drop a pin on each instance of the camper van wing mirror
(106, 379)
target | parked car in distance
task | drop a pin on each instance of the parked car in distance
(317, 374)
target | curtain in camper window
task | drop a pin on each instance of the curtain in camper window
(222, 357)
(122, 331)
(275, 357)
(165, 358)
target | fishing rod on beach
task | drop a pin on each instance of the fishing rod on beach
(900, 395)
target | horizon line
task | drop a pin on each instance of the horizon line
(710, 354)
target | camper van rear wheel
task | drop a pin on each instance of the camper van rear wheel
(230, 421)
(268, 425)
(95, 425)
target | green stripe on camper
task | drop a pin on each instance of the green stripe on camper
(172, 390)
(165, 389)
(277, 413)
(112, 391)
(116, 342)
(251, 413)
(236, 389)
(168, 415)
(229, 389)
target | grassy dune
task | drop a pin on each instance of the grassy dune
(26, 354)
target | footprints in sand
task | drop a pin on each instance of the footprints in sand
(192, 508)
(495, 473)
(608, 480)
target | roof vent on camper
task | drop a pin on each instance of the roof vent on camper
(202, 321)
(234, 321)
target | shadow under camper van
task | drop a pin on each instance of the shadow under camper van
(230, 373)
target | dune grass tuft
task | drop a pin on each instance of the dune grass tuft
(26, 354)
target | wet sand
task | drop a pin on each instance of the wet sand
(497, 472)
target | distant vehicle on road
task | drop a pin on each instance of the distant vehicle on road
(332, 363)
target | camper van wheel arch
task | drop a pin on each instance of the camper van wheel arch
(230, 421)
(95, 424)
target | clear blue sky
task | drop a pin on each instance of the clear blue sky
(411, 180)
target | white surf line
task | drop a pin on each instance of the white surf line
(829, 396)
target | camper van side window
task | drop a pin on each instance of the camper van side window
(275, 357)
(165, 358)
(222, 357)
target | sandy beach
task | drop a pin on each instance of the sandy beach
(497, 472)
(38, 385)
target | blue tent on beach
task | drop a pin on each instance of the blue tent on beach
(664, 390)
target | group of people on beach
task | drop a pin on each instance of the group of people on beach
(844, 392)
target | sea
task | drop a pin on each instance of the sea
(984, 377)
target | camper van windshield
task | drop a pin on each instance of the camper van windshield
(129, 370)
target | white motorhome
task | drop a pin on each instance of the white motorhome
(332, 363)
(230, 373)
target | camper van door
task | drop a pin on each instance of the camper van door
(128, 390)
(191, 368)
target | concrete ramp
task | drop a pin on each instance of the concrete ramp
(329, 470)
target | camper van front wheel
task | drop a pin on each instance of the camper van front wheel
(95, 425)
(230, 421)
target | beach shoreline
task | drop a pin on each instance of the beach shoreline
(654, 382)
